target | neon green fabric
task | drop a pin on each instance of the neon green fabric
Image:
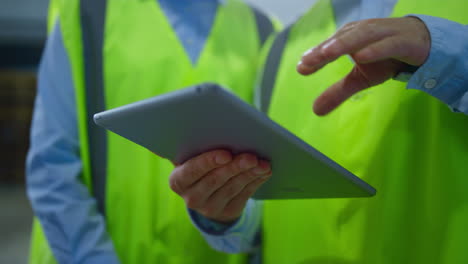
(148, 223)
(408, 145)
(53, 15)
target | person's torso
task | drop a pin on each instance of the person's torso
(147, 221)
(406, 144)
(143, 56)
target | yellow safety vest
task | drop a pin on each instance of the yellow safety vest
(124, 51)
(405, 143)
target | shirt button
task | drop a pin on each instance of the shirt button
(429, 84)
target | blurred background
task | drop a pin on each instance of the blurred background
(22, 37)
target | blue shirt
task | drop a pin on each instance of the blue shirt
(53, 167)
(74, 229)
(443, 75)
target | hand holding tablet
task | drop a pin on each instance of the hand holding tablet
(186, 123)
(218, 184)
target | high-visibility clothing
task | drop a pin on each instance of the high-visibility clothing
(405, 143)
(124, 51)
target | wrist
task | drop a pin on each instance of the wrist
(209, 225)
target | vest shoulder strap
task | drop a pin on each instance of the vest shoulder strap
(264, 25)
(92, 14)
(264, 90)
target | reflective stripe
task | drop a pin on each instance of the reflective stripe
(264, 25)
(270, 69)
(92, 26)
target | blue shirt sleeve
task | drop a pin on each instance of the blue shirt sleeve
(239, 237)
(75, 231)
(444, 74)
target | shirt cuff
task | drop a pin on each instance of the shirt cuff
(443, 75)
(209, 226)
(235, 238)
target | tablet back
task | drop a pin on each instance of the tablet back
(182, 124)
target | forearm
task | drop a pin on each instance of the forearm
(74, 229)
(76, 232)
(444, 74)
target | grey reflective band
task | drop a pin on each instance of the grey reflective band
(92, 27)
(264, 25)
(268, 79)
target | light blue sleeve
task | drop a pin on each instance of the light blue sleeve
(445, 73)
(241, 236)
(67, 212)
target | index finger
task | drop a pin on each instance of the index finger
(194, 169)
(350, 41)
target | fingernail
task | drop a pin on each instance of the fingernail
(245, 163)
(260, 170)
(304, 68)
(300, 64)
(222, 159)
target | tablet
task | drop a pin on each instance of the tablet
(185, 123)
